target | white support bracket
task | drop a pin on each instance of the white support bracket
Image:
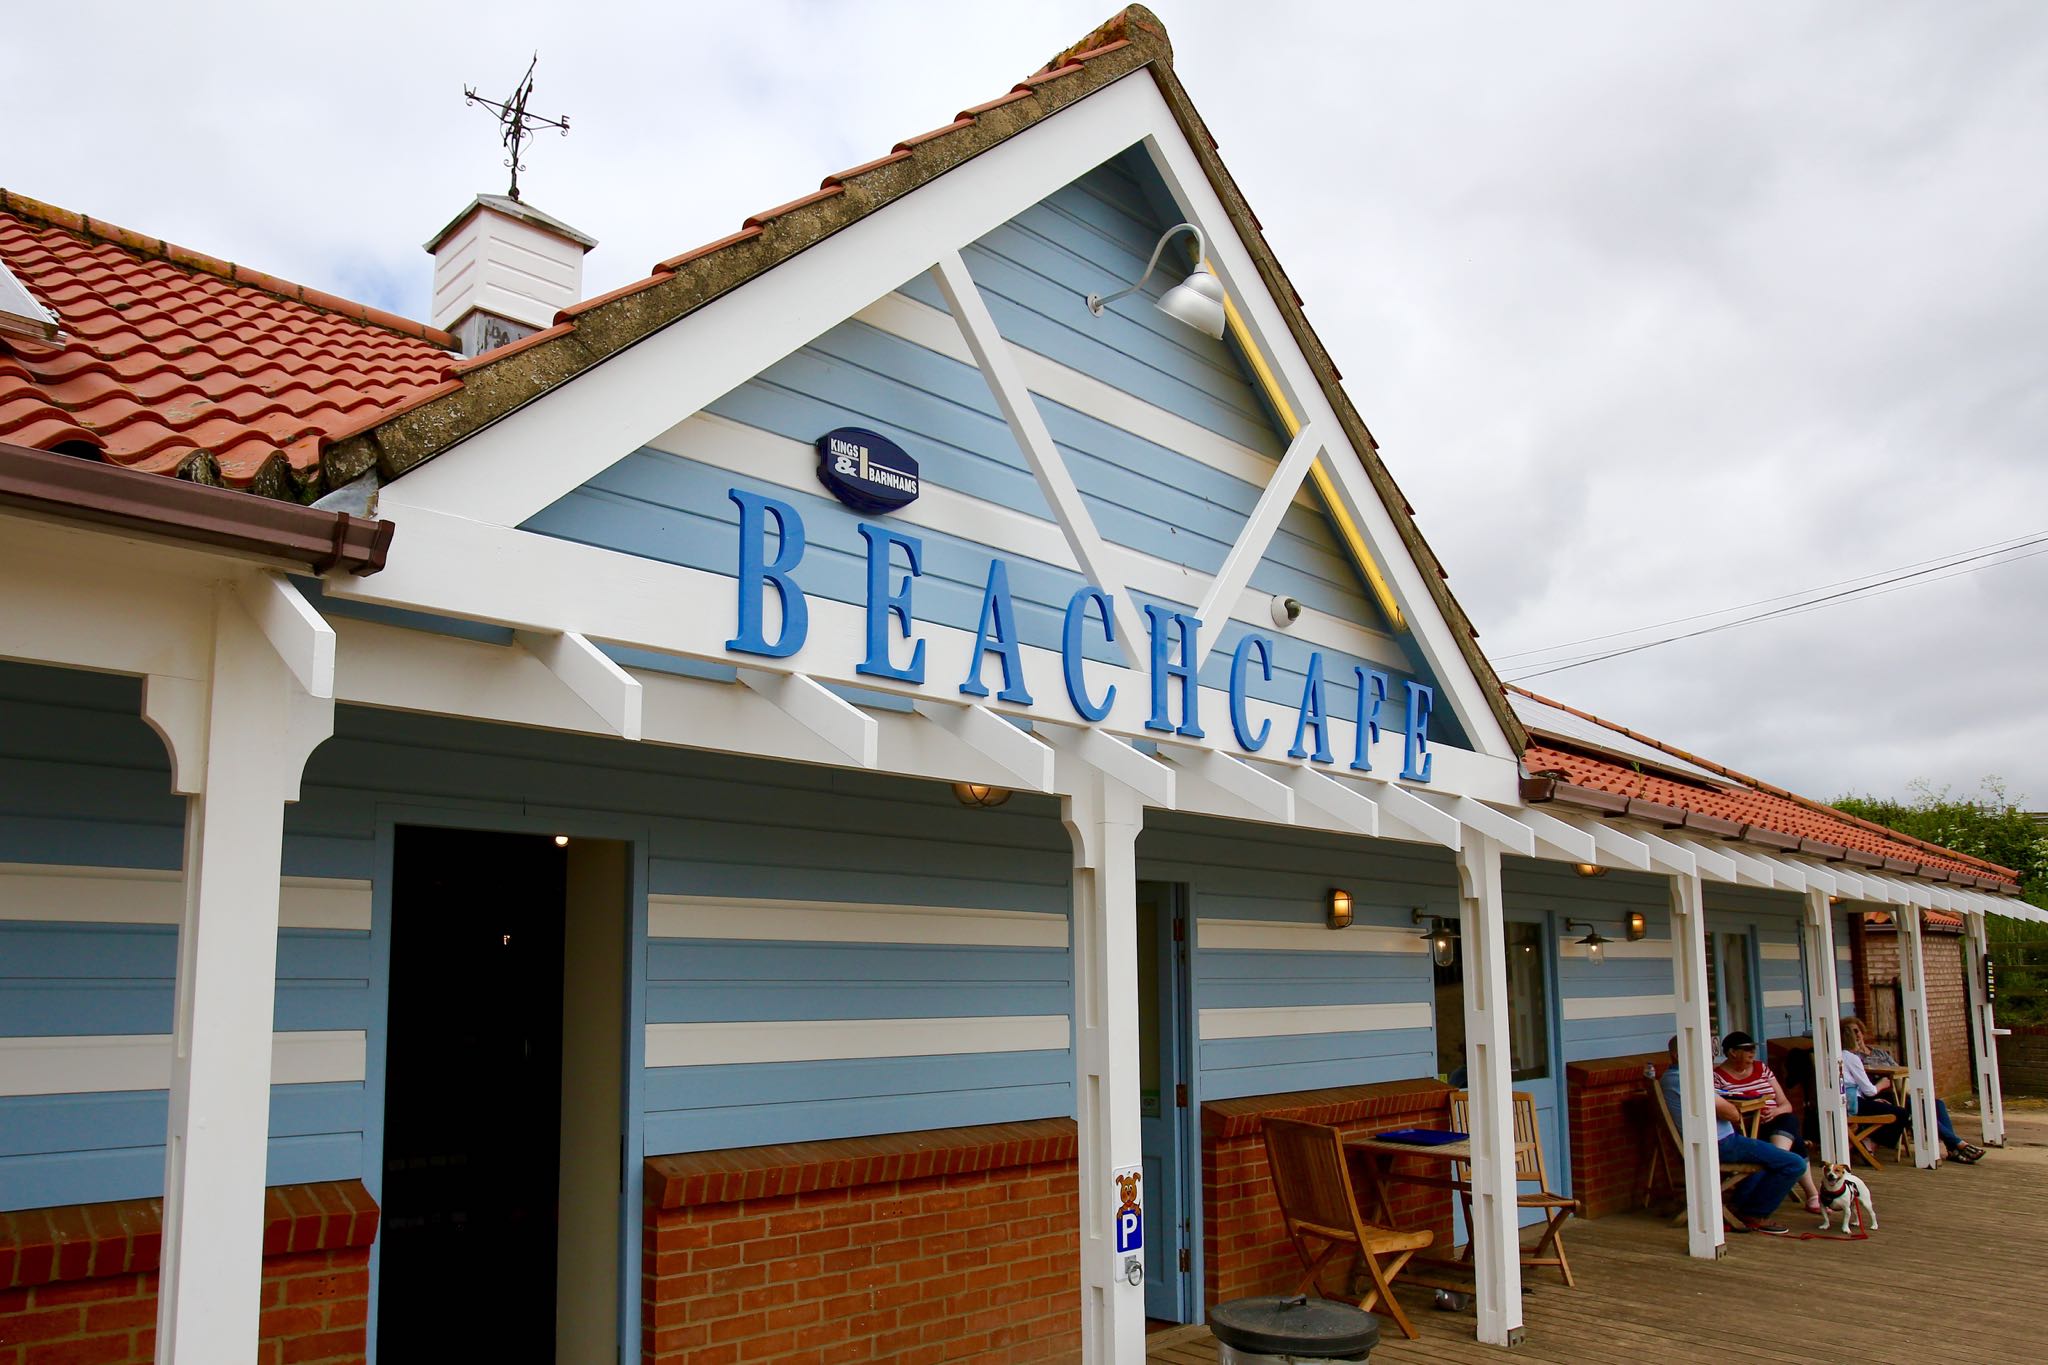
(1149, 778)
(176, 708)
(1616, 849)
(832, 718)
(1405, 808)
(610, 691)
(1257, 534)
(1340, 801)
(1666, 856)
(1713, 863)
(1260, 796)
(1506, 830)
(301, 637)
(1025, 758)
(1568, 842)
(1006, 381)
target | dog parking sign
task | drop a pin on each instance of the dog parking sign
(1130, 1211)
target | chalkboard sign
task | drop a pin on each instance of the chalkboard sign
(866, 470)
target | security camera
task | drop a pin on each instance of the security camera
(1286, 611)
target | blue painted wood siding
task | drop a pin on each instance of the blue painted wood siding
(1033, 272)
(84, 782)
(1773, 918)
(1248, 872)
(1632, 972)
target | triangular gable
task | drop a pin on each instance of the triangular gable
(661, 370)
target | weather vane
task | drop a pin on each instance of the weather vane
(519, 124)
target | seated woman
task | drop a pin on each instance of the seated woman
(1878, 1097)
(1740, 1076)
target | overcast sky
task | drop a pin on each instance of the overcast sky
(1654, 309)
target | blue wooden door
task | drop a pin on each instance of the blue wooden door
(1163, 1099)
(1533, 1039)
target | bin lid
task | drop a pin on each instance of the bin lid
(1295, 1326)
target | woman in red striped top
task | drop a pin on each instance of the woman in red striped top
(1740, 1076)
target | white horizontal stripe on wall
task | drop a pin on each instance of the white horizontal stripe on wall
(72, 1065)
(725, 917)
(1845, 952)
(737, 448)
(1847, 995)
(1784, 1000)
(146, 895)
(1659, 948)
(1779, 952)
(1280, 1021)
(829, 1040)
(1301, 937)
(1618, 1006)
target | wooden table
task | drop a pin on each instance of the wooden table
(1752, 1113)
(1379, 1167)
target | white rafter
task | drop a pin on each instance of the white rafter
(298, 633)
(1257, 534)
(1027, 759)
(1027, 425)
(1616, 848)
(1713, 862)
(1568, 842)
(1341, 801)
(1148, 777)
(1668, 857)
(1263, 796)
(587, 671)
(1507, 830)
(817, 708)
(1405, 808)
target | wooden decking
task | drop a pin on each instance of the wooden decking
(1958, 1270)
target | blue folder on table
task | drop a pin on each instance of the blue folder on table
(1422, 1137)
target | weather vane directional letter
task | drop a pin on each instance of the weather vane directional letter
(518, 122)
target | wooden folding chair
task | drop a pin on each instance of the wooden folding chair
(1862, 1128)
(1733, 1173)
(1529, 1165)
(1313, 1184)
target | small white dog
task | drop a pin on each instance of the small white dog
(1841, 1192)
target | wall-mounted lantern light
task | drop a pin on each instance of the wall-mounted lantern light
(1589, 869)
(1594, 942)
(1196, 300)
(979, 794)
(1339, 910)
(1436, 932)
(561, 841)
(1637, 926)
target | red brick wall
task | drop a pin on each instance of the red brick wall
(78, 1283)
(1948, 999)
(958, 1244)
(1245, 1251)
(1612, 1130)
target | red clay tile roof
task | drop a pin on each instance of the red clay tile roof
(176, 363)
(1744, 802)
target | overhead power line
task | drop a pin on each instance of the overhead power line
(1932, 572)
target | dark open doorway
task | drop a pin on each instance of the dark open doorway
(472, 1102)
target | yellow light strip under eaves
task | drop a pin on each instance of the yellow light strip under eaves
(1382, 591)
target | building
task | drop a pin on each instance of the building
(594, 800)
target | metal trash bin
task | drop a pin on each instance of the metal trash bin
(1296, 1331)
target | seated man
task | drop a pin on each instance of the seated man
(1757, 1198)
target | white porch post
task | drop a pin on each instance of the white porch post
(249, 735)
(1495, 1220)
(1103, 818)
(1704, 1234)
(1823, 990)
(1984, 1034)
(1919, 1045)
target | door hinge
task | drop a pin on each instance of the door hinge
(1180, 1096)
(1180, 930)
(1185, 1261)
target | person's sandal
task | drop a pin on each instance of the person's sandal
(1967, 1153)
(1813, 1204)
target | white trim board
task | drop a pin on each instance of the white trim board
(830, 1040)
(726, 917)
(1617, 1006)
(143, 895)
(1779, 952)
(1301, 936)
(102, 1063)
(1784, 1000)
(905, 318)
(721, 443)
(1283, 1021)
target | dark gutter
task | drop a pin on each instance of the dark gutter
(82, 489)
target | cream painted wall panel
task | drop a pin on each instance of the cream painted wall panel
(822, 1040)
(1216, 935)
(136, 895)
(1618, 1006)
(1281, 1021)
(789, 921)
(95, 1064)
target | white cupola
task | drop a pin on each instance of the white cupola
(502, 270)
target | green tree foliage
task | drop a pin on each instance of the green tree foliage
(1992, 826)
